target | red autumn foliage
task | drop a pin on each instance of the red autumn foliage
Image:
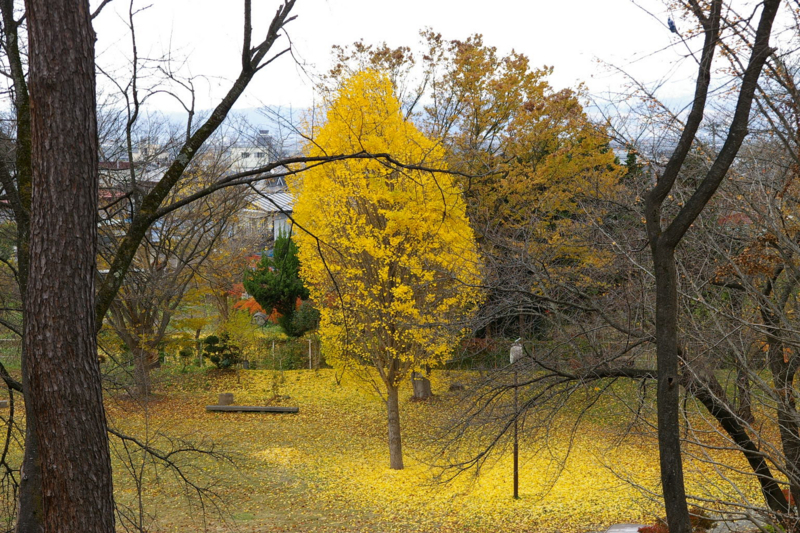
(237, 290)
(250, 305)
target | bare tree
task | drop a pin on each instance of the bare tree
(165, 264)
(665, 235)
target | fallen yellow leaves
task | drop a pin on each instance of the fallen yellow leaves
(281, 456)
(325, 469)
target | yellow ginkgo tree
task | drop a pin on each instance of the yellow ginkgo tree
(387, 252)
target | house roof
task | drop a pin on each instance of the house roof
(275, 202)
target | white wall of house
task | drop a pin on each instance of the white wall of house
(281, 225)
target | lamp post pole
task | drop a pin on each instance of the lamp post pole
(516, 440)
(516, 354)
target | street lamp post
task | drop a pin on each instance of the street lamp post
(516, 354)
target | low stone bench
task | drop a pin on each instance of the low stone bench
(252, 408)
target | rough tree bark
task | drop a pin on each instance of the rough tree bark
(63, 385)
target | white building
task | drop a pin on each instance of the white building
(253, 153)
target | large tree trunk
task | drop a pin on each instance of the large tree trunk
(395, 443)
(141, 371)
(64, 388)
(669, 443)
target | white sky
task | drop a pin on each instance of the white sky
(570, 35)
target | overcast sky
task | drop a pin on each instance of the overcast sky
(577, 37)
